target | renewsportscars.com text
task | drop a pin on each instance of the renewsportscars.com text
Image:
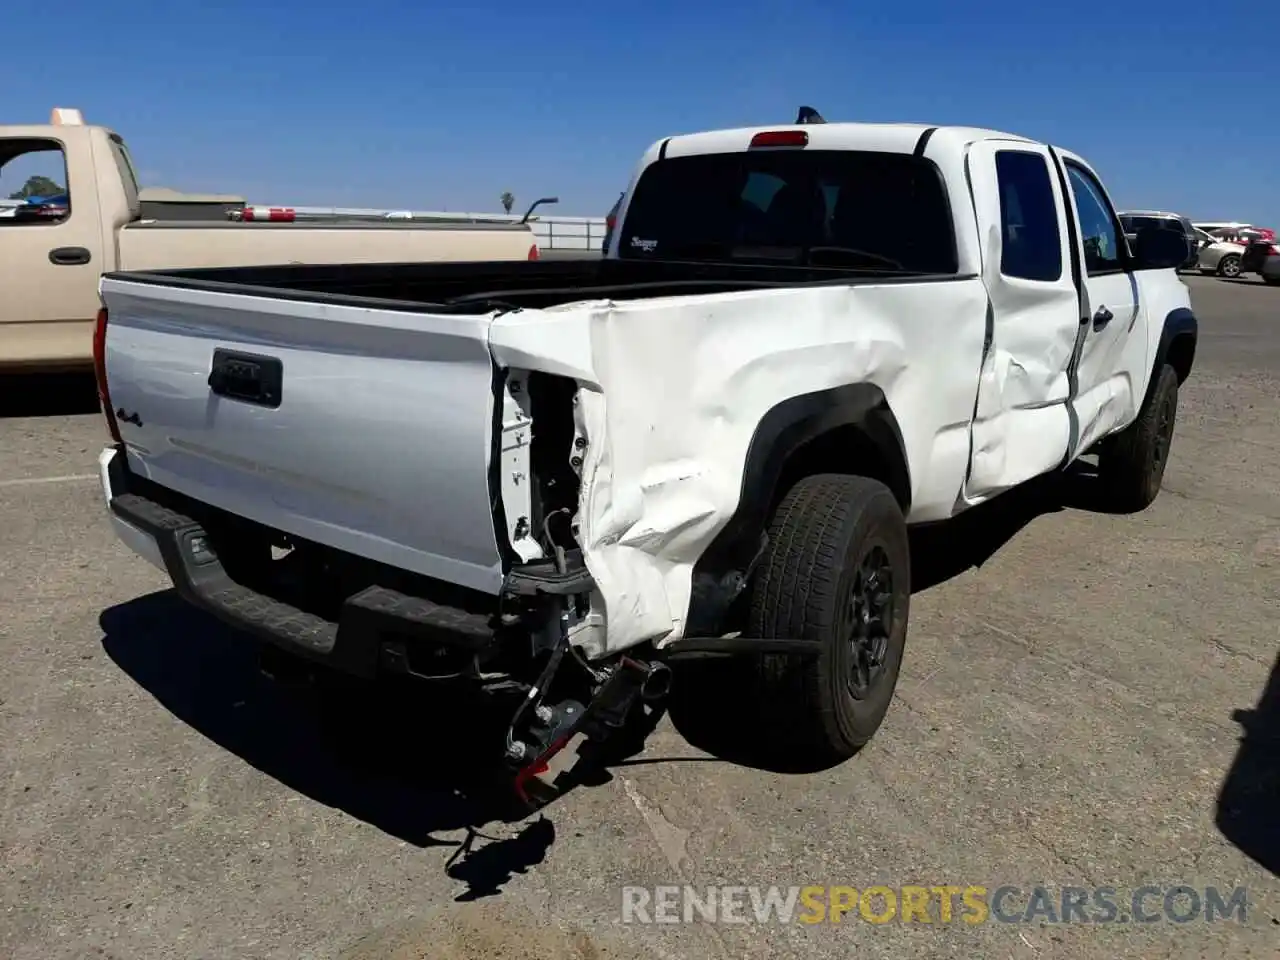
(942, 904)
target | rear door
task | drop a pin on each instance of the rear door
(1022, 420)
(1112, 361)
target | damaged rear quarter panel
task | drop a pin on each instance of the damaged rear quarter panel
(676, 389)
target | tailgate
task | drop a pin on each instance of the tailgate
(365, 430)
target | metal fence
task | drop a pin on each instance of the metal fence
(568, 233)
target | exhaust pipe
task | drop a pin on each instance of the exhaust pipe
(656, 683)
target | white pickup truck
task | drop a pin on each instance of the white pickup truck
(562, 476)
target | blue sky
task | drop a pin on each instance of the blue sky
(440, 105)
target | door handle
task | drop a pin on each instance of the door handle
(1102, 318)
(69, 256)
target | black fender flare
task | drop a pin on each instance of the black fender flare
(722, 570)
(1183, 330)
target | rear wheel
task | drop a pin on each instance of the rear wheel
(1229, 266)
(1131, 464)
(837, 573)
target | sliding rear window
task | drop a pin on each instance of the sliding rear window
(856, 209)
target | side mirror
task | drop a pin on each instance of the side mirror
(1157, 249)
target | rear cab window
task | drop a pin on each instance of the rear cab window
(124, 166)
(1031, 244)
(33, 183)
(862, 210)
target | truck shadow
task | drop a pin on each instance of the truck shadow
(943, 551)
(394, 759)
(48, 394)
(1249, 801)
(400, 762)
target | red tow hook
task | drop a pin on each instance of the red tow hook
(539, 766)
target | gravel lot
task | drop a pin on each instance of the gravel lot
(1067, 715)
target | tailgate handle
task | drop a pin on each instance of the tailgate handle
(248, 377)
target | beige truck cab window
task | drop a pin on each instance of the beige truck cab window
(33, 183)
(124, 164)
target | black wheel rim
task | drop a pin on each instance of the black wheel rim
(868, 620)
(1164, 435)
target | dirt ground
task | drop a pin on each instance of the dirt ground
(1072, 712)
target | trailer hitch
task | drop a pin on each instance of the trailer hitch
(547, 752)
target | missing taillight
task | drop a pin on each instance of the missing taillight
(555, 456)
(100, 373)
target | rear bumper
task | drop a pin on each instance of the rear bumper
(369, 635)
(112, 473)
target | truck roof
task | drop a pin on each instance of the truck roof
(886, 137)
(60, 118)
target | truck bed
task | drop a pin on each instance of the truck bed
(480, 287)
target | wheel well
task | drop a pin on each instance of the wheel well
(849, 449)
(1182, 351)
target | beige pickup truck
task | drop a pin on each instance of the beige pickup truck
(70, 211)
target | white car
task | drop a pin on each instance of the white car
(564, 476)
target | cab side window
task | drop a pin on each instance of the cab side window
(1103, 252)
(1031, 245)
(33, 183)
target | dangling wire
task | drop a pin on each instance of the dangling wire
(550, 544)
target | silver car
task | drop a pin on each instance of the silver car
(1221, 250)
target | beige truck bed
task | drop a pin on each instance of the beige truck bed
(174, 245)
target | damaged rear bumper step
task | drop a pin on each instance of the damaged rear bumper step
(368, 619)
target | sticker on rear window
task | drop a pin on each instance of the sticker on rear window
(648, 246)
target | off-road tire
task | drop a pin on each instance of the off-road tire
(1131, 464)
(819, 534)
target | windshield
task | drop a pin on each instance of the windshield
(1133, 224)
(885, 212)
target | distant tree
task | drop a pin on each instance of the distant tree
(38, 187)
(508, 200)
